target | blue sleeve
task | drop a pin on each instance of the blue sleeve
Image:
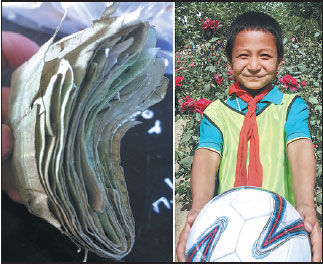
(210, 136)
(296, 125)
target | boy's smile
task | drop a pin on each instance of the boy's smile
(254, 58)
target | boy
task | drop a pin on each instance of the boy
(273, 124)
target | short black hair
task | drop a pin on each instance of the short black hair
(255, 21)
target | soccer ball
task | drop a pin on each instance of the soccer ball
(248, 224)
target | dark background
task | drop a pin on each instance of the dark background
(147, 160)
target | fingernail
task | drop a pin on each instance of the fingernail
(308, 227)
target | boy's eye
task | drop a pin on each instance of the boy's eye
(243, 56)
(265, 55)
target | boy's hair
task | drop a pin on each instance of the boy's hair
(255, 21)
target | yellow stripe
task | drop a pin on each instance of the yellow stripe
(211, 149)
(297, 138)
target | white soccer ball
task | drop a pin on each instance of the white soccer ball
(248, 224)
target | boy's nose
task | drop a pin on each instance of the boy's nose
(253, 64)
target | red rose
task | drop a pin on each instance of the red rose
(218, 80)
(178, 80)
(217, 24)
(187, 105)
(201, 104)
(290, 82)
(303, 83)
(230, 73)
(210, 24)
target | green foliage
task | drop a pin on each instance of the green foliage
(189, 16)
(301, 24)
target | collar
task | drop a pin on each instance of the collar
(273, 96)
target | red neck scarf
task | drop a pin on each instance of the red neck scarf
(248, 131)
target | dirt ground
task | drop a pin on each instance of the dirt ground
(180, 208)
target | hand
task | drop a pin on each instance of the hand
(180, 249)
(312, 227)
(16, 49)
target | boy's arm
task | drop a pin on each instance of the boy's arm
(205, 166)
(303, 164)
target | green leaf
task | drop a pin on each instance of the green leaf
(214, 39)
(289, 69)
(316, 84)
(181, 190)
(313, 100)
(207, 88)
(186, 161)
(186, 137)
(180, 154)
(195, 138)
(316, 34)
(285, 40)
(297, 27)
(302, 67)
(191, 123)
(312, 122)
(319, 197)
(212, 69)
(297, 73)
(198, 117)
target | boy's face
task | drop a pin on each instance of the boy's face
(254, 58)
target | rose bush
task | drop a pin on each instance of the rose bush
(210, 75)
(290, 82)
(192, 105)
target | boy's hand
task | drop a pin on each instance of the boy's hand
(204, 169)
(180, 249)
(312, 227)
(302, 160)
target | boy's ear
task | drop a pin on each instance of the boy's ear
(229, 62)
(279, 65)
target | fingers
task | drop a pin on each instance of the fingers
(7, 184)
(6, 150)
(4, 102)
(316, 240)
(6, 139)
(181, 245)
(180, 249)
(312, 227)
(16, 49)
(6, 142)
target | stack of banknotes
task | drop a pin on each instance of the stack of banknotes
(69, 107)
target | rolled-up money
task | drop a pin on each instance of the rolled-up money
(69, 107)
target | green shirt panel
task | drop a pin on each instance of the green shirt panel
(272, 145)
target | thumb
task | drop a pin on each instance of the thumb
(191, 216)
(309, 220)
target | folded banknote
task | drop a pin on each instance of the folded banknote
(69, 107)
